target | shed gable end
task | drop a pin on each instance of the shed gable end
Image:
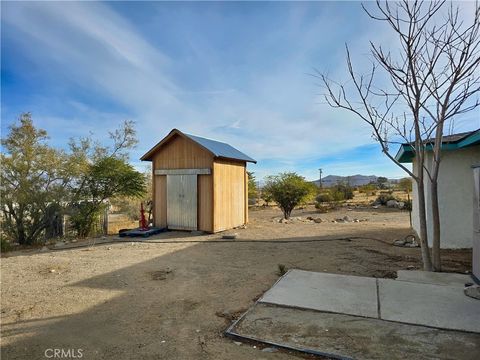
(181, 153)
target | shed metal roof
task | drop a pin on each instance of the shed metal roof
(406, 153)
(217, 148)
(220, 149)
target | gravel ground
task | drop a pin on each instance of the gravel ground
(173, 300)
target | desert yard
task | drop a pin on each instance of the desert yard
(173, 296)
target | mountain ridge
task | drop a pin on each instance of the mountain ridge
(353, 180)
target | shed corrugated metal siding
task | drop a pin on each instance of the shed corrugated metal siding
(182, 202)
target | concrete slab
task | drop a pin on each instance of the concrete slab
(427, 277)
(346, 337)
(439, 306)
(353, 295)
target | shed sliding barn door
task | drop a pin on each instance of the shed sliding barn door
(182, 202)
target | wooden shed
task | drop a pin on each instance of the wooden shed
(198, 183)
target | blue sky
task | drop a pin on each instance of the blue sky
(234, 72)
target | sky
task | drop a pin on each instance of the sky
(237, 72)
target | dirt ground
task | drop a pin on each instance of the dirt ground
(172, 299)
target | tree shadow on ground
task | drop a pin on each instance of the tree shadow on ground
(176, 306)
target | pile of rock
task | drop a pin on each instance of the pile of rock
(395, 204)
(347, 219)
(317, 220)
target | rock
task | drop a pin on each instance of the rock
(401, 205)
(317, 220)
(392, 203)
(44, 249)
(270, 349)
(310, 218)
(230, 236)
(356, 220)
(109, 248)
(74, 240)
(347, 218)
(412, 244)
(399, 243)
(473, 291)
(375, 206)
(226, 313)
(52, 270)
(237, 343)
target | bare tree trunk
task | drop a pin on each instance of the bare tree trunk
(423, 236)
(436, 228)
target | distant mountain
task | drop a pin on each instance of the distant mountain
(354, 180)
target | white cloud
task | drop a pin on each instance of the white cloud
(275, 115)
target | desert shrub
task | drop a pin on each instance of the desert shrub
(408, 205)
(337, 195)
(324, 198)
(322, 208)
(5, 245)
(345, 190)
(282, 269)
(288, 190)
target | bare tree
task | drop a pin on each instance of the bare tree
(433, 78)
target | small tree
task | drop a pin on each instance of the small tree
(288, 190)
(106, 178)
(266, 195)
(130, 205)
(32, 181)
(432, 78)
(405, 184)
(382, 182)
(252, 186)
(103, 173)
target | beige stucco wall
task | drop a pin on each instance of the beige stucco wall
(455, 185)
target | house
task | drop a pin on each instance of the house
(198, 183)
(460, 152)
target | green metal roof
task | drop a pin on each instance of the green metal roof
(406, 152)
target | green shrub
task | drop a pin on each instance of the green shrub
(324, 198)
(408, 205)
(5, 245)
(346, 192)
(282, 269)
(288, 190)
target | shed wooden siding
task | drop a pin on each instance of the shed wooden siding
(205, 203)
(160, 200)
(182, 153)
(229, 194)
